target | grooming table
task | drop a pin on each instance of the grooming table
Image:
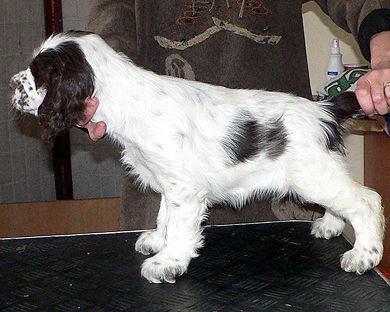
(273, 266)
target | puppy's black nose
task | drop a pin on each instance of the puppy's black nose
(12, 84)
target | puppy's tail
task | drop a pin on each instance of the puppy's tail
(344, 106)
(340, 108)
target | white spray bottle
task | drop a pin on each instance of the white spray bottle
(335, 66)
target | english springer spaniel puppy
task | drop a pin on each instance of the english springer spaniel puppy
(199, 144)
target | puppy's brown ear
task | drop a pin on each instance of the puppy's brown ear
(70, 82)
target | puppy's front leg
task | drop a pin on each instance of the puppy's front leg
(154, 240)
(185, 212)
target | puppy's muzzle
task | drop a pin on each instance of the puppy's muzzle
(12, 85)
(19, 97)
(25, 97)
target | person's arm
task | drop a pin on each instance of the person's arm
(373, 89)
(350, 14)
(369, 22)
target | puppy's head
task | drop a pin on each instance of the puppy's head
(55, 86)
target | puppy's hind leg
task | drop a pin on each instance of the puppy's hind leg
(328, 226)
(185, 211)
(332, 188)
(368, 223)
(153, 241)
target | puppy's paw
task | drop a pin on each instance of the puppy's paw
(162, 268)
(360, 260)
(150, 242)
(327, 227)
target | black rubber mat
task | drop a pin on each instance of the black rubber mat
(262, 267)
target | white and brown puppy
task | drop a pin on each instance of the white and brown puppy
(198, 144)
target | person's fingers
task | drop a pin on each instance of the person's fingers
(363, 95)
(387, 94)
(89, 126)
(96, 131)
(91, 105)
(372, 93)
(100, 130)
(378, 97)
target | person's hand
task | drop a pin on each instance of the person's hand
(373, 91)
(373, 88)
(96, 131)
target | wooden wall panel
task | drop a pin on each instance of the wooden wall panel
(377, 176)
(59, 217)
